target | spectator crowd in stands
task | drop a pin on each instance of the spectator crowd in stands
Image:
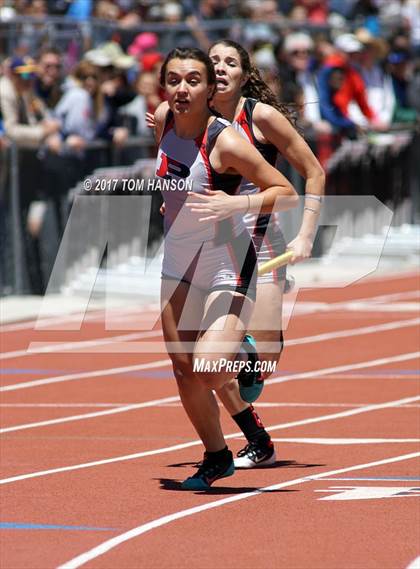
(340, 82)
(346, 66)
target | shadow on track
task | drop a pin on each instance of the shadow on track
(175, 485)
(277, 464)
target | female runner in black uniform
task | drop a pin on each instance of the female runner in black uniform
(243, 98)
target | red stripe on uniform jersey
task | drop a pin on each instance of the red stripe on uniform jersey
(242, 121)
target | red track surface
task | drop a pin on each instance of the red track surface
(291, 526)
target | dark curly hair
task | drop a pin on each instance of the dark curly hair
(255, 87)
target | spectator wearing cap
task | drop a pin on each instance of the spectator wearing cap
(399, 63)
(27, 122)
(339, 83)
(378, 82)
(26, 118)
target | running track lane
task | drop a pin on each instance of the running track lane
(286, 524)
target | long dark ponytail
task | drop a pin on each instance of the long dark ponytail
(256, 87)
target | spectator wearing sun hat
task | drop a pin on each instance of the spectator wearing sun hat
(378, 82)
(335, 98)
(113, 64)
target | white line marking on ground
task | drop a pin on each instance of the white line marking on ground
(392, 307)
(124, 343)
(325, 441)
(64, 405)
(86, 374)
(159, 522)
(152, 403)
(415, 564)
(353, 332)
(52, 347)
(99, 315)
(296, 376)
(114, 371)
(385, 376)
(290, 377)
(91, 316)
(178, 404)
(361, 365)
(308, 421)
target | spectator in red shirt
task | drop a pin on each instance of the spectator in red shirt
(336, 97)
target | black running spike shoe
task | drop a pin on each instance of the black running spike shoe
(208, 472)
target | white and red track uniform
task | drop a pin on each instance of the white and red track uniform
(211, 256)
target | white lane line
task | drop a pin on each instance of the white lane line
(405, 376)
(347, 405)
(393, 307)
(325, 441)
(91, 316)
(159, 522)
(281, 379)
(64, 405)
(415, 564)
(98, 315)
(152, 403)
(79, 346)
(360, 365)
(290, 377)
(82, 375)
(181, 446)
(353, 332)
(178, 404)
(113, 371)
(118, 344)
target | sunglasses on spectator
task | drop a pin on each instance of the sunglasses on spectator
(300, 52)
(52, 65)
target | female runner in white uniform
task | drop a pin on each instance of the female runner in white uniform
(243, 98)
(209, 259)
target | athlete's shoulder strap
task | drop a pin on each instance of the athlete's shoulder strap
(244, 119)
(169, 123)
(249, 107)
(213, 131)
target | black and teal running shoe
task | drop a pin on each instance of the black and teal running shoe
(250, 382)
(208, 472)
